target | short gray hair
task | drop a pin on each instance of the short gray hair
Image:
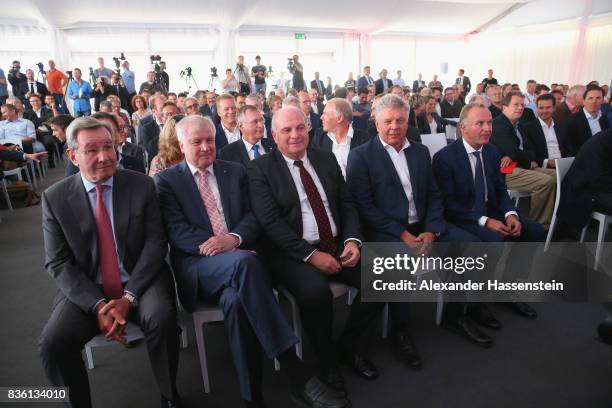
(465, 111)
(241, 115)
(575, 90)
(391, 101)
(193, 120)
(290, 101)
(85, 123)
(256, 97)
(343, 108)
(284, 109)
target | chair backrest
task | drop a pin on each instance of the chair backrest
(562, 166)
(451, 131)
(434, 142)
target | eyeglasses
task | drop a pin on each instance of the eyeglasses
(193, 106)
(92, 151)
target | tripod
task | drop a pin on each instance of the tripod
(212, 82)
(189, 78)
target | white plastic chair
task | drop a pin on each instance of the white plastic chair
(517, 195)
(7, 198)
(562, 166)
(434, 142)
(132, 333)
(451, 131)
(604, 221)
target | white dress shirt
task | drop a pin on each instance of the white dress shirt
(310, 231)
(231, 136)
(552, 144)
(342, 150)
(473, 160)
(593, 121)
(249, 149)
(433, 126)
(315, 108)
(400, 162)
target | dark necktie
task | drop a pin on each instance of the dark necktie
(320, 88)
(256, 153)
(109, 264)
(326, 239)
(117, 90)
(480, 205)
(31, 87)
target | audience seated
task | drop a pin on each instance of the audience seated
(169, 154)
(252, 143)
(586, 122)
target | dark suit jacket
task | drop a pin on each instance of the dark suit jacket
(236, 151)
(207, 111)
(591, 173)
(416, 84)
(362, 82)
(578, 130)
(561, 114)
(449, 111)
(187, 223)
(276, 202)
(533, 130)
(220, 138)
(322, 141)
(507, 142)
(100, 96)
(380, 87)
(495, 111)
(315, 84)
(45, 115)
(467, 84)
(379, 194)
(423, 125)
(315, 121)
(39, 88)
(71, 242)
(453, 173)
(148, 131)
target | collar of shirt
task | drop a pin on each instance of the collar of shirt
(90, 186)
(290, 162)
(544, 125)
(589, 116)
(193, 169)
(469, 149)
(249, 146)
(228, 132)
(349, 136)
(390, 148)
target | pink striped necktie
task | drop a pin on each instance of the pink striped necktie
(210, 203)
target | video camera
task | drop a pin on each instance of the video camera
(118, 64)
(213, 72)
(41, 67)
(291, 65)
(186, 71)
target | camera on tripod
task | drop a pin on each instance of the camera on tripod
(155, 60)
(41, 67)
(118, 64)
(213, 72)
(291, 65)
(186, 71)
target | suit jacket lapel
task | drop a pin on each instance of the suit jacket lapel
(465, 167)
(388, 164)
(121, 212)
(413, 167)
(288, 182)
(244, 156)
(79, 202)
(326, 143)
(224, 187)
(191, 188)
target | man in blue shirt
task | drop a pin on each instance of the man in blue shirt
(129, 80)
(80, 92)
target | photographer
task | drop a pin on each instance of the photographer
(3, 88)
(259, 73)
(102, 71)
(163, 75)
(242, 74)
(18, 81)
(34, 87)
(298, 74)
(230, 83)
(121, 91)
(102, 90)
(150, 85)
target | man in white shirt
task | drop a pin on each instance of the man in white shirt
(227, 130)
(17, 130)
(399, 80)
(547, 137)
(252, 145)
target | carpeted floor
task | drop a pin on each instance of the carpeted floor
(554, 361)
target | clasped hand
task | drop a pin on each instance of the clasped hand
(112, 318)
(218, 244)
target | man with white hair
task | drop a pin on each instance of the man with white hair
(337, 134)
(572, 104)
(252, 144)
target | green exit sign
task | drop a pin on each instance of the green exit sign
(300, 36)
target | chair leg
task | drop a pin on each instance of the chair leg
(385, 322)
(297, 328)
(551, 230)
(7, 196)
(352, 293)
(199, 331)
(584, 231)
(184, 340)
(89, 356)
(603, 228)
(31, 178)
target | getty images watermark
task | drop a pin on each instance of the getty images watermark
(483, 272)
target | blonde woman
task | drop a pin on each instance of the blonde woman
(169, 150)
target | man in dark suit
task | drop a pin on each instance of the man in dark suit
(383, 84)
(337, 134)
(476, 200)
(318, 85)
(451, 105)
(316, 101)
(208, 105)
(212, 232)
(305, 101)
(121, 91)
(365, 80)
(587, 121)
(39, 114)
(587, 186)
(509, 139)
(398, 200)
(252, 144)
(418, 83)
(34, 87)
(105, 248)
(412, 133)
(309, 218)
(572, 104)
(547, 137)
(227, 130)
(463, 80)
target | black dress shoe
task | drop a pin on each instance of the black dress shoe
(522, 309)
(405, 350)
(316, 394)
(605, 332)
(482, 315)
(463, 325)
(360, 364)
(257, 402)
(173, 403)
(335, 381)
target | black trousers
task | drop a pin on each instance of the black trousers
(310, 288)
(69, 328)
(603, 202)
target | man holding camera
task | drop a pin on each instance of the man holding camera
(150, 85)
(259, 74)
(298, 74)
(102, 71)
(17, 81)
(242, 74)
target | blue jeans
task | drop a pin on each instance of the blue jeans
(78, 114)
(259, 87)
(59, 102)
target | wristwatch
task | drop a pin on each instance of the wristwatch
(131, 298)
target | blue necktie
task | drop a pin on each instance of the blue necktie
(255, 149)
(480, 206)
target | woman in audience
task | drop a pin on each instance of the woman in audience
(417, 106)
(275, 102)
(169, 150)
(116, 109)
(139, 104)
(230, 83)
(429, 121)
